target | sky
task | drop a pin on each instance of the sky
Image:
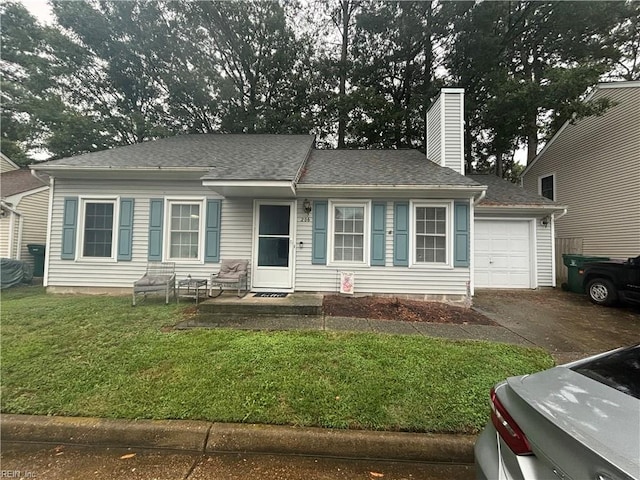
(39, 8)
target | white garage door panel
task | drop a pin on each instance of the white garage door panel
(502, 254)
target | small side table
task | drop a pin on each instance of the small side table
(192, 288)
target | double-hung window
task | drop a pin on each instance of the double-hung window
(98, 228)
(349, 233)
(431, 236)
(185, 230)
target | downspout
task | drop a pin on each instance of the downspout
(553, 246)
(472, 244)
(480, 198)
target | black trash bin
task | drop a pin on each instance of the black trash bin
(37, 251)
(574, 263)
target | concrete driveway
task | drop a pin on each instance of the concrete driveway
(564, 323)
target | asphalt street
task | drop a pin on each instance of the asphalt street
(61, 462)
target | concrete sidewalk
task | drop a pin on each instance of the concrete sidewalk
(209, 438)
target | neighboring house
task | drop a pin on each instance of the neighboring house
(402, 224)
(23, 210)
(593, 167)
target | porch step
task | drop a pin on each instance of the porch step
(254, 322)
(293, 304)
(226, 309)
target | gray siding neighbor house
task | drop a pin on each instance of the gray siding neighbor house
(593, 166)
(400, 223)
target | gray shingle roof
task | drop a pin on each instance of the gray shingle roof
(18, 181)
(502, 192)
(228, 156)
(377, 167)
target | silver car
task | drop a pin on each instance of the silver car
(579, 421)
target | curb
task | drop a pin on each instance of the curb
(207, 437)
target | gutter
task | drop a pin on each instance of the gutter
(45, 168)
(472, 188)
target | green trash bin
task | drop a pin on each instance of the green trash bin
(574, 263)
(37, 251)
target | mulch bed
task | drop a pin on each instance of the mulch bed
(386, 308)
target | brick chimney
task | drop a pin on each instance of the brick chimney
(445, 129)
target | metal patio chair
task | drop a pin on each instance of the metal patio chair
(160, 277)
(233, 273)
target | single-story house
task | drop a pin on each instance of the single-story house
(400, 222)
(23, 210)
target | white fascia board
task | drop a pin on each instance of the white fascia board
(523, 209)
(392, 191)
(65, 171)
(252, 188)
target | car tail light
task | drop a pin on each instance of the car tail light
(508, 428)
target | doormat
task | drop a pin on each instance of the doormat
(271, 295)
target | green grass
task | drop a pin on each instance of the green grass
(98, 356)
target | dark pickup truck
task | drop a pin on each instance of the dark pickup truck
(608, 282)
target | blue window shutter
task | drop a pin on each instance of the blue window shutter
(69, 226)
(156, 211)
(125, 230)
(212, 232)
(319, 241)
(461, 244)
(378, 233)
(401, 234)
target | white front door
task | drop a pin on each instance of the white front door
(273, 240)
(503, 253)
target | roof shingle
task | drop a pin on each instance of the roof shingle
(502, 192)
(377, 167)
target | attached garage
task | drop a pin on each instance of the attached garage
(504, 250)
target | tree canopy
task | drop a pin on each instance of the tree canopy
(357, 73)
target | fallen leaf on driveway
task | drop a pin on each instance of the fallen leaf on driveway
(128, 455)
(376, 474)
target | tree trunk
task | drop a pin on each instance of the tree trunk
(499, 165)
(345, 6)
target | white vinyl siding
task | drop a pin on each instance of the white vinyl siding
(596, 162)
(418, 280)
(236, 228)
(434, 131)
(445, 130)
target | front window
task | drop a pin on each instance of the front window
(98, 229)
(184, 234)
(349, 233)
(430, 234)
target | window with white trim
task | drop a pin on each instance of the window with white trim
(349, 235)
(185, 230)
(98, 220)
(431, 236)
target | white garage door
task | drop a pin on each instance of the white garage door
(502, 254)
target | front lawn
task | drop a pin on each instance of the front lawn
(98, 356)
